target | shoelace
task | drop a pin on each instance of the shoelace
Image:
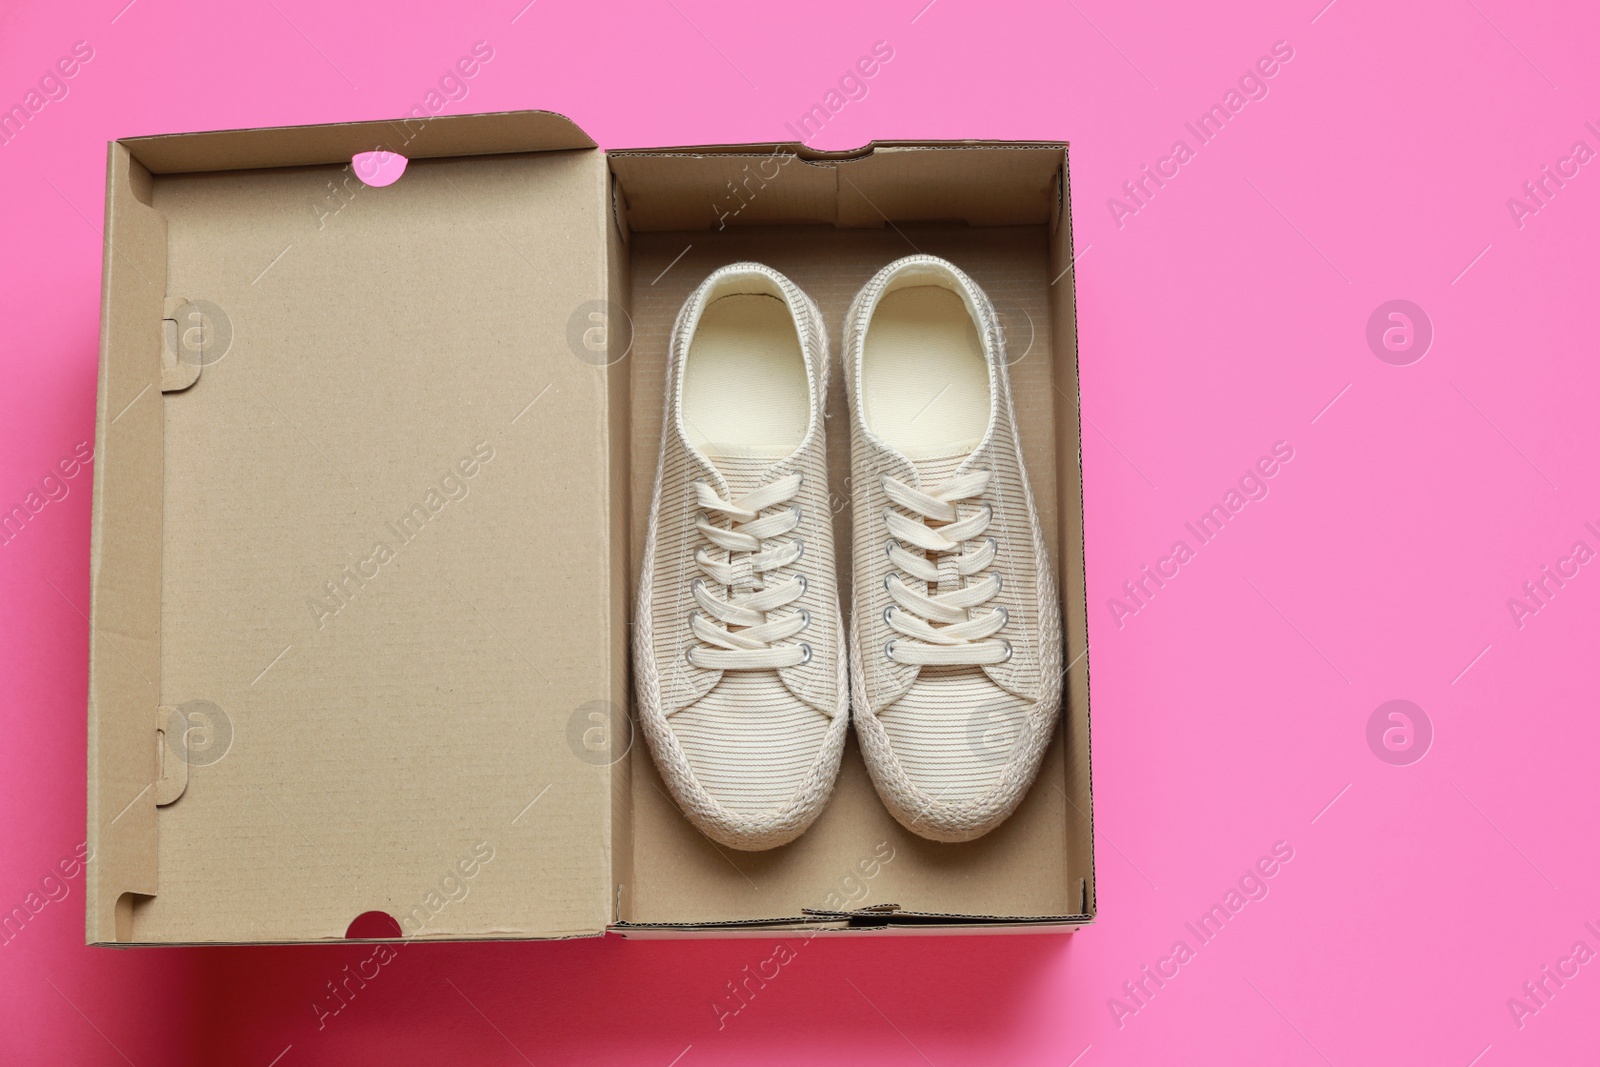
(962, 636)
(755, 645)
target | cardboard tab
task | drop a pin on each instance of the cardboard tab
(172, 758)
(179, 367)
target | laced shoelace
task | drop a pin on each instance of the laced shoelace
(749, 600)
(942, 628)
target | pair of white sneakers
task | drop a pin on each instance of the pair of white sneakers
(953, 662)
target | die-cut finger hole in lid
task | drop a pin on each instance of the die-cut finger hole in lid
(378, 168)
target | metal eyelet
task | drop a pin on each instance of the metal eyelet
(1005, 616)
(800, 551)
(888, 548)
(888, 649)
(804, 585)
(1003, 641)
(807, 650)
(999, 582)
(688, 653)
(886, 613)
(799, 512)
(805, 618)
(695, 583)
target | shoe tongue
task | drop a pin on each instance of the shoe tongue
(743, 471)
(936, 470)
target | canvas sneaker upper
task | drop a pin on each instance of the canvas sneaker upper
(956, 629)
(739, 661)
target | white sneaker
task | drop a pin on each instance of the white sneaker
(956, 632)
(738, 651)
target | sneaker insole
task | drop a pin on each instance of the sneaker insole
(924, 382)
(745, 391)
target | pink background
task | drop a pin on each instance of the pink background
(1230, 713)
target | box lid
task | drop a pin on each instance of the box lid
(355, 602)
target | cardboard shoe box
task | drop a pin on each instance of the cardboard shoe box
(372, 478)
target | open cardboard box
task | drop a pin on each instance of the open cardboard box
(372, 477)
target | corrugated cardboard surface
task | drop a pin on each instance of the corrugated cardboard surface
(387, 734)
(1019, 869)
(289, 146)
(125, 610)
(982, 185)
(1069, 502)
